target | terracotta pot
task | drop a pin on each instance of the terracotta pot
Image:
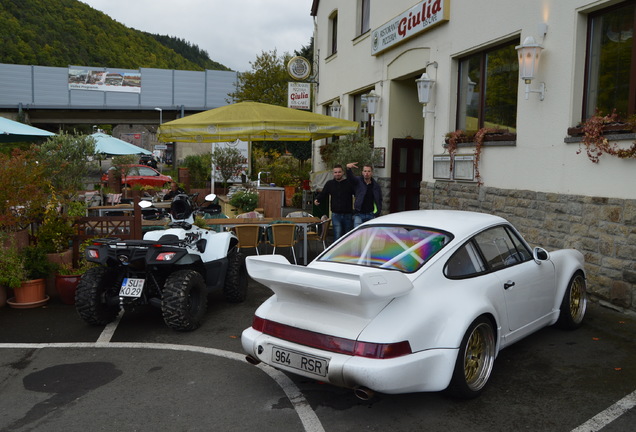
(289, 194)
(66, 285)
(61, 258)
(30, 294)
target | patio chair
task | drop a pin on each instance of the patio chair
(321, 232)
(283, 235)
(249, 236)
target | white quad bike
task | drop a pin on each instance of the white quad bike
(173, 269)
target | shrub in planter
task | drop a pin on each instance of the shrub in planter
(245, 200)
(12, 271)
(36, 264)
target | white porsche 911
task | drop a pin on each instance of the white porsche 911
(411, 302)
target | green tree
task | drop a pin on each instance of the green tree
(352, 148)
(228, 161)
(266, 82)
(199, 166)
(23, 180)
(65, 159)
(63, 32)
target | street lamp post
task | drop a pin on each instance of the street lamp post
(160, 115)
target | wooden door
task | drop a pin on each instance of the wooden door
(406, 174)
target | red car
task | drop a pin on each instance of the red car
(142, 175)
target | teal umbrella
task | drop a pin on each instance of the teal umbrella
(114, 146)
(13, 131)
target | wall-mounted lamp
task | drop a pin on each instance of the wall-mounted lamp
(334, 109)
(373, 99)
(424, 89)
(529, 53)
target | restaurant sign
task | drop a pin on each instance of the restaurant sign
(421, 17)
(298, 95)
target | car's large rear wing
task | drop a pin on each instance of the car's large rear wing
(363, 294)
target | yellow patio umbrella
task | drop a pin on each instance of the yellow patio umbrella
(254, 121)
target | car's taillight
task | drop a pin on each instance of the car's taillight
(331, 343)
(92, 253)
(166, 256)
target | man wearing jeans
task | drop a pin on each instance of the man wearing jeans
(368, 201)
(341, 191)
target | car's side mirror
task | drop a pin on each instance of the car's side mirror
(540, 254)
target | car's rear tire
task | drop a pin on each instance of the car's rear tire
(184, 300)
(574, 303)
(96, 298)
(235, 289)
(475, 360)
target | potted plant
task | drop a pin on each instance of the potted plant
(67, 278)
(245, 200)
(32, 290)
(11, 270)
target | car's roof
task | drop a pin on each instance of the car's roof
(458, 222)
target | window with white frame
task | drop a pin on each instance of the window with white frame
(333, 33)
(610, 81)
(364, 9)
(488, 87)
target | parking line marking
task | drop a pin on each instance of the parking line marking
(109, 330)
(305, 413)
(602, 419)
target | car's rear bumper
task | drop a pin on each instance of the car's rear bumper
(429, 370)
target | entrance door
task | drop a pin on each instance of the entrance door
(406, 174)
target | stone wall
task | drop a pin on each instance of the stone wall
(603, 229)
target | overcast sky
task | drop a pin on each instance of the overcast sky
(233, 32)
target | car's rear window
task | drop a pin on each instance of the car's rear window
(389, 247)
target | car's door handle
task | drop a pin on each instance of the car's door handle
(509, 284)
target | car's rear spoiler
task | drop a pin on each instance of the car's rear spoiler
(363, 295)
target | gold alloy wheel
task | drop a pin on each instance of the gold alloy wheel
(578, 300)
(479, 356)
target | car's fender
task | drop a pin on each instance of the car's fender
(566, 262)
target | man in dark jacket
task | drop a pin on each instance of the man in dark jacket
(368, 201)
(341, 191)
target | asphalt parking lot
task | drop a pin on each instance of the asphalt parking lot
(57, 373)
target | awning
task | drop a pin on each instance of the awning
(254, 121)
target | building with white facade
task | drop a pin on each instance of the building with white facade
(531, 167)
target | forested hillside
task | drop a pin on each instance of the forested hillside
(69, 32)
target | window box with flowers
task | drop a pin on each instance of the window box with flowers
(601, 134)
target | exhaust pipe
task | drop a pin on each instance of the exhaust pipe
(252, 360)
(363, 393)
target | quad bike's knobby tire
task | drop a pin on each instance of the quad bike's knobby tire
(184, 300)
(96, 296)
(235, 289)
